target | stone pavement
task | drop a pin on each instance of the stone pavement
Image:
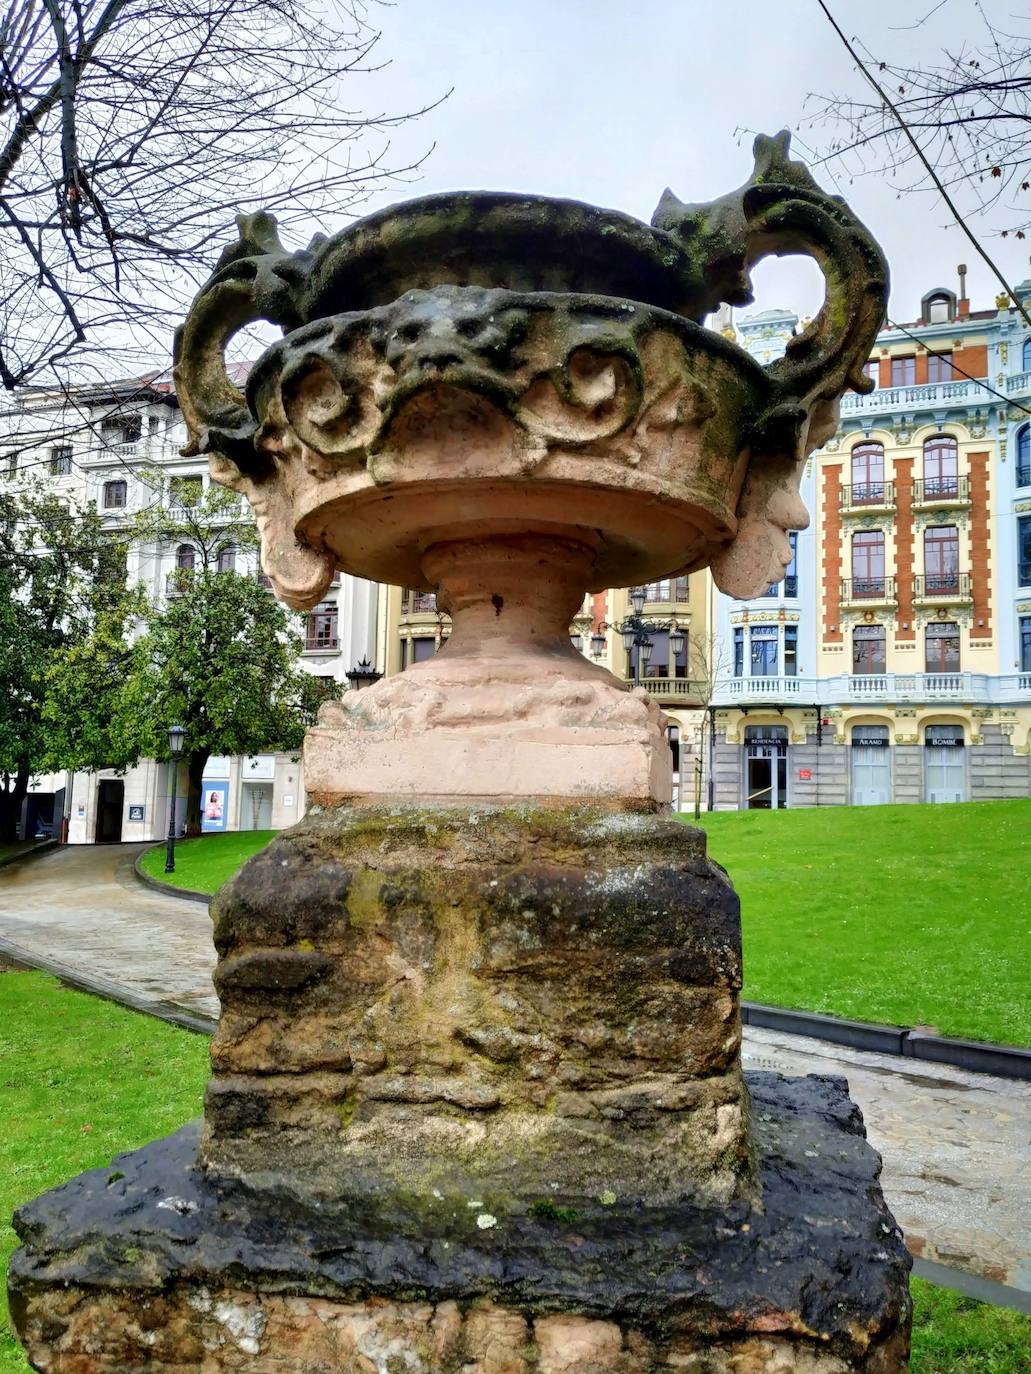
(957, 1159)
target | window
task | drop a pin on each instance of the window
(941, 559)
(227, 558)
(868, 652)
(12, 463)
(1025, 643)
(942, 647)
(321, 629)
(764, 650)
(667, 589)
(939, 367)
(867, 474)
(115, 495)
(1024, 457)
(1026, 354)
(868, 563)
(791, 576)
(121, 429)
(152, 424)
(418, 601)
(873, 371)
(939, 310)
(423, 648)
(790, 650)
(903, 371)
(185, 557)
(739, 651)
(1024, 550)
(185, 491)
(941, 466)
(61, 460)
(659, 662)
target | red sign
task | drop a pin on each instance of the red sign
(805, 773)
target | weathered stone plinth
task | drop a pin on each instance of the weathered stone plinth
(157, 1264)
(497, 1003)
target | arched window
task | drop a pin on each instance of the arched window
(1026, 356)
(115, 494)
(227, 558)
(185, 556)
(939, 309)
(1024, 456)
(867, 474)
(941, 467)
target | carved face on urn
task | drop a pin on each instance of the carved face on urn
(477, 365)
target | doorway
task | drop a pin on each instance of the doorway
(871, 765)
(766, 767)
(110, 799)
(256, 806)
(945, 767)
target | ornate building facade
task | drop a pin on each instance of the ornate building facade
(901, 671)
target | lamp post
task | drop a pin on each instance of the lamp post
(635, 630)
(363, 674)
(176, 735)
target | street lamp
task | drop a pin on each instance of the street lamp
(634, 631)
(176, 735)
(363, 674)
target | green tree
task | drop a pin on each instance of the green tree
(216, 654)
(61, 576)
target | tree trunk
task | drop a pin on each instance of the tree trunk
(11, 799)
(195, 765)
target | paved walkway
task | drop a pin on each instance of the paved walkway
(957, 1163)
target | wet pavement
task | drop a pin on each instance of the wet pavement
(956, 1145)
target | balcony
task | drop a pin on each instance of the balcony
(885, 689)
(915, 398)
(944, 588)
(868, 591)
(321, 644)
(419, 603)
(865, 497)
(941, 491)
(1018, 384)
(673, 690)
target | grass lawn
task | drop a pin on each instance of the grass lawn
(83, 1080)
(204, 864)
(914, 915)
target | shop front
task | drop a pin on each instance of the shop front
(766, 767)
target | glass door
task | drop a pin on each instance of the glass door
(766, 768)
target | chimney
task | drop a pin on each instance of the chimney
(962, 305)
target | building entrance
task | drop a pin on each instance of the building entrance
(871, 765)
(110, 798)
(945, 765)
(766, 767)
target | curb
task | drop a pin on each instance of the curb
(43, 847)
(186, 893)
(109, 991)
(976, 1056)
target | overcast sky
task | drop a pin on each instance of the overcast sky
(610, 102)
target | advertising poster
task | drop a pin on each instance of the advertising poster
(214, 809)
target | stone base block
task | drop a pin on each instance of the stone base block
(154, 1264)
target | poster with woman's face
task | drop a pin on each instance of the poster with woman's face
(214, 806)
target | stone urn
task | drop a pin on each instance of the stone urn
(477, 1101)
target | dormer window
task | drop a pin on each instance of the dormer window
(938, 306)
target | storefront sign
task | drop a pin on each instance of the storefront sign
(805, 774)
(869, 741)
(944, 737)
(214, 812)
(137, 813)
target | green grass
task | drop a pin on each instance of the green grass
(83, 1080)
(914, 915)
(204, 864)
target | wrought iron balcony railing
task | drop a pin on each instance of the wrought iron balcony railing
(868, 589)
(941, 586)
(930, 490)
(867, 495)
